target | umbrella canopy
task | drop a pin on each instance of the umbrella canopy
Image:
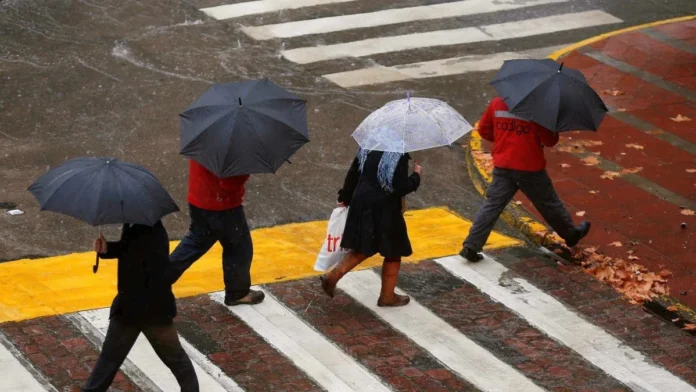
(103, 191)
(557, 98)
(244, 128)
(411, 124)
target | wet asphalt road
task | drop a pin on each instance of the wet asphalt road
(108, 78)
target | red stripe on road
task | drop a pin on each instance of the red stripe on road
(238, 350)
(59, 351)
(364, 336)
(499, 330)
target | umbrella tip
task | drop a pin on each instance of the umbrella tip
(560, 68)
(240, 101)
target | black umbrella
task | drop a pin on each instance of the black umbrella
(244, 128)
(103, 191)
(555, 97)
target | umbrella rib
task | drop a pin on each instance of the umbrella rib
(277, 120)
(442, 131)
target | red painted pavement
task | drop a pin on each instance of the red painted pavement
(620, 211)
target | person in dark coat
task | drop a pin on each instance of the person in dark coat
(373, 189)
(144, 303)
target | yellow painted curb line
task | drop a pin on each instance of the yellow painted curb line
(562, 52)
(66, 284)
(519, 218)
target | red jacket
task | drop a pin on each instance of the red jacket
(517, 144)
(208, 192)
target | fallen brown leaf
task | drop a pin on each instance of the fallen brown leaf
(580, 213)
(636, 146)
(665, 273)
(614, 92)
(690, 327)
(617, 244)
(680, 118)
(672, 308)
(632, 170)
(590, 160)
(610, 175)
(484, 160)
(687, 212)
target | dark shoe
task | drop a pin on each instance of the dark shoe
(387, 296)
(471, 255)
(581, 231)
(254, 297)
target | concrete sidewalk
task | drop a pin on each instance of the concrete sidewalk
(635, 179)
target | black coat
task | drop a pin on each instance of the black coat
(375, 222)
(143, 256)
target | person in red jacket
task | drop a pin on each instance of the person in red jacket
(519, 164)
(217, 214)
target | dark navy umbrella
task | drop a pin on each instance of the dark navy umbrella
(103, 191)
(555, 97)
(243, 128)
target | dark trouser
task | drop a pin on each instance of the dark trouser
(207, 227)
(537, 186)
(120, 339)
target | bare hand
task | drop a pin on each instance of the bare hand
(417, 168)
(100, 244)
(341, 204)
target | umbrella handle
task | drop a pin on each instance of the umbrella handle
(95, 267)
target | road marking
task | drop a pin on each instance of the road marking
(14, 376)
(229, 11)
(443, 341)
(66, 284)
(306, 348)
(386, 17)
(431, 69)
(500, 31)
(556, 320)
(143, 356)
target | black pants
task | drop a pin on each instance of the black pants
(537, 186)
(207, 227)
(119, 340)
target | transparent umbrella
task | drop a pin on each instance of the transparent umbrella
(411, 124)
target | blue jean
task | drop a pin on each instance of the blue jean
(208, 227)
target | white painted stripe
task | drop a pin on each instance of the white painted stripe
(432, 69)
(443, 341)
(13, 375)
(229, 11)
(524, 28)
(209, 367)
(143, 356)
(386, 17)
(306, 348)
(556, 320)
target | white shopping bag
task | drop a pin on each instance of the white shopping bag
(331, 252)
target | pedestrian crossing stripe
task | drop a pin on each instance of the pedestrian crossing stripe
(493, 32)
(385, 18)
(371, 46)
(334, 369)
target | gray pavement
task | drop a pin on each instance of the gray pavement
(108, 78)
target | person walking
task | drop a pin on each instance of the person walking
(519, 164)
(217, 214)
(373, 189)
(144, 304)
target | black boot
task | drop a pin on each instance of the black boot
(581, 232)
(471, 255)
